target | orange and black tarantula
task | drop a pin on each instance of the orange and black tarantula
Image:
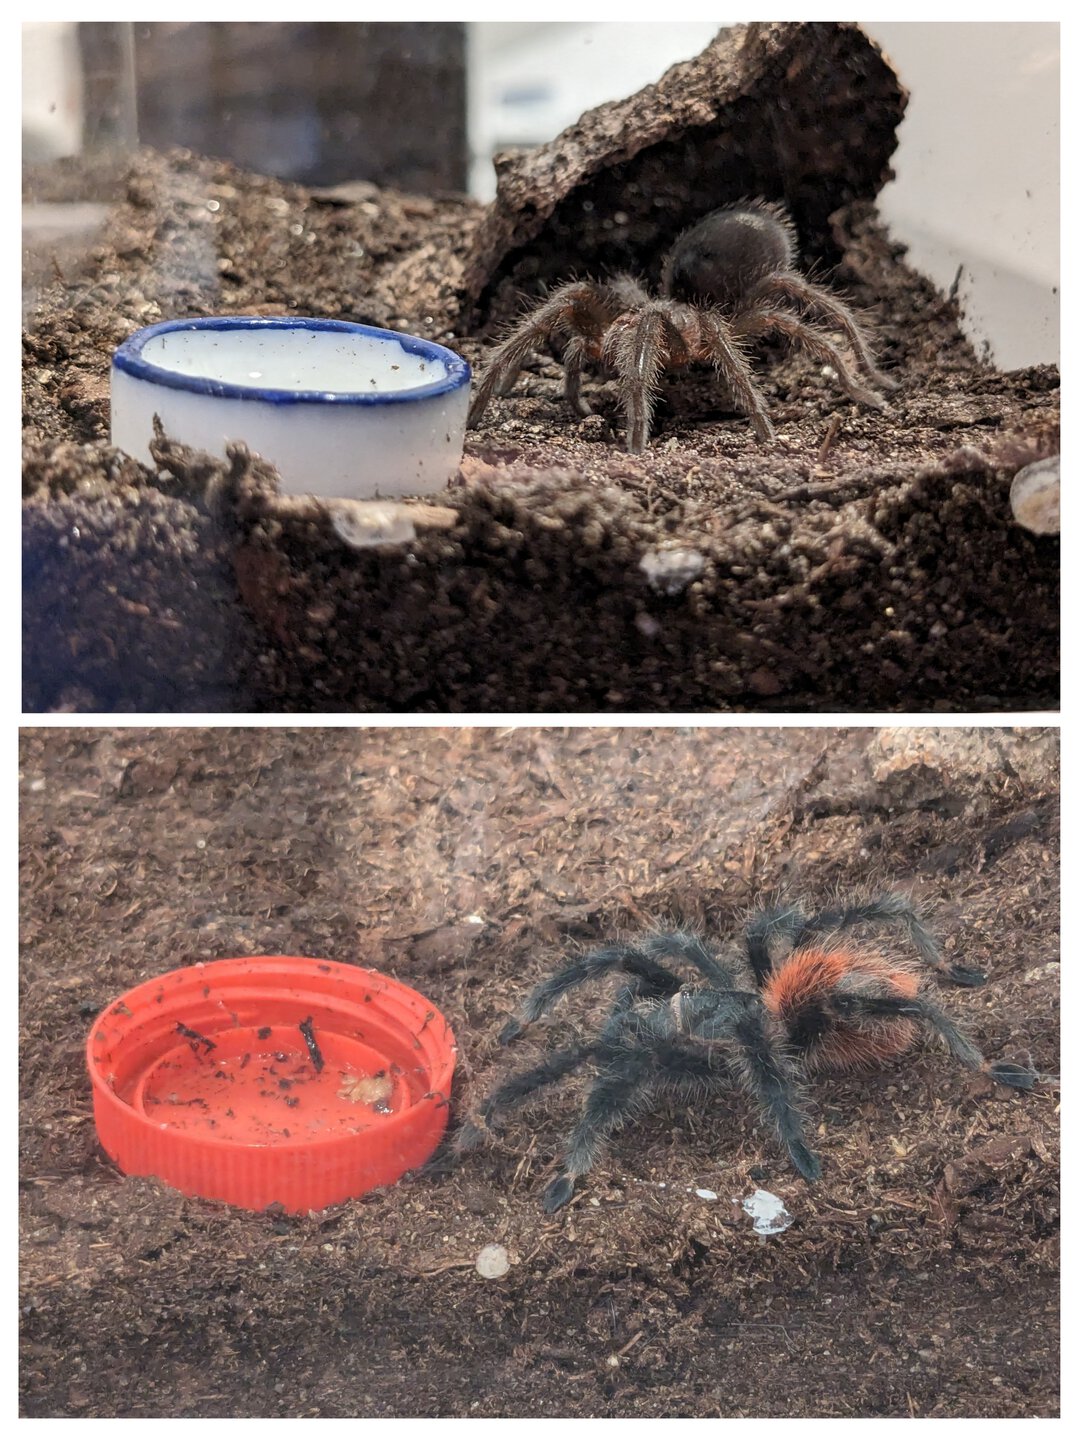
(819, 1001)
(727, 281)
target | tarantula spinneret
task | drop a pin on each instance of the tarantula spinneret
(801, 995)
(727, 281)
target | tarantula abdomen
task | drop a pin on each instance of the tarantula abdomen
(721, 259)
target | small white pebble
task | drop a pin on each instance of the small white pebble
(671, 571)
(492, 1262)
(361, 523)
(1035, 497)
(706, 1194)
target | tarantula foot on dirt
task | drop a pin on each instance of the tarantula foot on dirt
(557, 1193)
(728, 281)
(800, 996)
(962, 975)
(1018, 1077)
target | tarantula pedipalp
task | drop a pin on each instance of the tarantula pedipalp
(727, 281)
(819, 1002)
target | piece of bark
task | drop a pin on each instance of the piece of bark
(802, 113)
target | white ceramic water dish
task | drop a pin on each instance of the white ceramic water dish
(339, 409)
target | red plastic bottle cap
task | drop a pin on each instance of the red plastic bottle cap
(271, 1080)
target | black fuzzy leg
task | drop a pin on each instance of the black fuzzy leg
(515, 1089)
(731, 365)
(891, 910)
(518, 1087)
(558, 1064)
(618, 1093)
(784, 921)
(693, 1078)
(654, 980)
(858, 1007)
(685, 945)
(769, 1077)
(736, 1021)
(574, 357)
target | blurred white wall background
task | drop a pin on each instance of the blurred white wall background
(977, 171)
(52, 97)
(977, 163)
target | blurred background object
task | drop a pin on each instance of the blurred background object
(424, 107)
(52, 91)
(316, 103)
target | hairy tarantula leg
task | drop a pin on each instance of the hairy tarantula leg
(686, 946)
(825, 306)
(736, 1020)
(514, 1090)
(806, 337)
(784, 921)
(577, 305)
(1018, 1077)
(468, 1136)
(574, 355)
(636, 346)
(892, 909)
(630, 1050)
(507, 384)
(614, 1097)
(654, 978)
(771, 1080)
(732, 367)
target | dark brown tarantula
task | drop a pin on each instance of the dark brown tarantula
(727, 281)
(818, 1002)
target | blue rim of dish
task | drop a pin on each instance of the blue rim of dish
(129, 358)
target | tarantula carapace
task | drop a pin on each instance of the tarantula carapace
(804, 996)
(726, 282)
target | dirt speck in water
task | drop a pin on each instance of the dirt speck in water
(371, 1090)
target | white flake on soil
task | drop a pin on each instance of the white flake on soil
(364, 523)
(768, 1213)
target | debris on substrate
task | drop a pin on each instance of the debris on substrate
(864, 560)
(919, 1277)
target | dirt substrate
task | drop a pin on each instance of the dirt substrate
(865, 560)
(918, 1278)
